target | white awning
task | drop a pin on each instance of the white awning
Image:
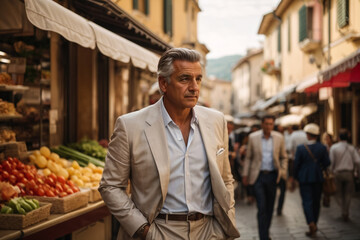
(304, 110)
(288, 120)
(50, 16)
(121, 49)
(307, 82)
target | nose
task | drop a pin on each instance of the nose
(194, 85)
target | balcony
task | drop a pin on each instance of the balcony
(309, 45)
(269, 67)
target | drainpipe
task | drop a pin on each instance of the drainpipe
(329, 33)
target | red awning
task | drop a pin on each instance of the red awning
(342, 79)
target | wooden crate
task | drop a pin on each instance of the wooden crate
(65, 204)
(94, 195)
(19, 221)
(14, 149)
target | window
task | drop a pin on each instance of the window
(279, 39)
(168, 17)
(305, 23)
(342, 12)
(141, 5)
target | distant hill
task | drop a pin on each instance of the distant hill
(221, 67)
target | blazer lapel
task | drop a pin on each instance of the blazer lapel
(217, 184)
(155, 134)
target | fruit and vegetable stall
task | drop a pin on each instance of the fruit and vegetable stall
(52, 193)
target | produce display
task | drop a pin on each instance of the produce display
(91, 148)
(51, 163)
(8, 191)
(20, 205)
(82, 158)
(31, 183)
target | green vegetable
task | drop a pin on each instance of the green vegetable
(25, 205)
(81, 158)
(6, 210)
(31, 203)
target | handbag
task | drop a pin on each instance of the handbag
(329, 186)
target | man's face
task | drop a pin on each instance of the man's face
(184, 88)
(268, 125)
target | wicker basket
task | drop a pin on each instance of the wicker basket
(19, 221)
(66, 204)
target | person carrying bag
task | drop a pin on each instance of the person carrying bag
(344, 158)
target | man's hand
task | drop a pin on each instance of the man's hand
(142, 232)
(245, 181)
(146, 229)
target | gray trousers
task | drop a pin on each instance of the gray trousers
(344, 190)
(204, 229)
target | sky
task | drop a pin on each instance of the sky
(229, 27)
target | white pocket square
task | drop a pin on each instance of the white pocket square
(220, 151)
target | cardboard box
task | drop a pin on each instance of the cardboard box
(19, 221)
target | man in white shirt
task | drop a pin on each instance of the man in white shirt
(344, 158)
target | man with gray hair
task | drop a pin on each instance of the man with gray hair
(175, 154)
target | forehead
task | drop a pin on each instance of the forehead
(268, 120)
(186, 67)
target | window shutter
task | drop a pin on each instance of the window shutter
(279, 39)
(342, 9)
(135, 4)
(147, 7)
(168, 17)
(302, 23)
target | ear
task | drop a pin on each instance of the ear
(163, 84)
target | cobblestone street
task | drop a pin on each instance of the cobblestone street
(292, 224)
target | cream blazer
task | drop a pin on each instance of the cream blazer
(253, 159)
(138, 151)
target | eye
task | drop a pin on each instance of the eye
(198, 79)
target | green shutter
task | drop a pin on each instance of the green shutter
(302, 24)
(168, 17)
(135, 4)
(279, 39)
(342, 9)
(147, 7)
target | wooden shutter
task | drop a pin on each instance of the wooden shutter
(147, 7)
(302, 23)
(342, 9)
(168, 17)
(136, 4)
(279, 39)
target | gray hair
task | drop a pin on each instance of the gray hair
(165, 66)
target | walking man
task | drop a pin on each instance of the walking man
(344, 157)
(265, 163)
(176, 157)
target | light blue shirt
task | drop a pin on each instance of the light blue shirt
(267, 163)
(189, 187)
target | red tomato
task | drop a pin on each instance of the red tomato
(52, 176)
(29, 192)
(69, 191)
(61, 179)
(63, 194)
(1, 178)
(39, 181)
(5, 175)
(20, 185)
(29, 176)
(49, 193)
(23, 180)
(75, 189)
(20, 166)
(7, 166)
(70, 183)
(12, 179)
(50, 181)
(59, 187)
(30, 185)
(40, 192)
(22, 192)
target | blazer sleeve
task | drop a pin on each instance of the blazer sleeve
(115, 180)
(248, 157)
(283, 157)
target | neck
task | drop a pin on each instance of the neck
(178, 115)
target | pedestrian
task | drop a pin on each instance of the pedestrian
(282, 183)
(344, 159)
(326, 139)
(265, 164)
(176, 157)
(310, 160)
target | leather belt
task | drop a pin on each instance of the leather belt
(182, 217)
(267, 172)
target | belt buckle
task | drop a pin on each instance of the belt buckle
(189, 216)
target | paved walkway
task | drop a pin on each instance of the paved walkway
(292, 224)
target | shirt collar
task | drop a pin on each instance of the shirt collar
(167, 119)
(263, 135)
(311, 141)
